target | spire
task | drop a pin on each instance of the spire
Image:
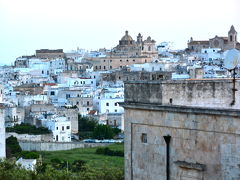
(232, 30)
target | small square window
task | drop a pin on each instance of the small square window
(68, 127)
(115, 110)
(144, 138)
(107, 104)
(115, 104)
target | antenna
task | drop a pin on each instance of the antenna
(231, 60)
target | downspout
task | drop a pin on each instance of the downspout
(167, 141)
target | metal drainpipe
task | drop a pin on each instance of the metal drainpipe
(167, 141)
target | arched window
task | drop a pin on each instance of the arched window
(231, 39)
(149, 48)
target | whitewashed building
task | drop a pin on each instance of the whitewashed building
(60, 127)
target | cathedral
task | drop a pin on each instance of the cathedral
(224, 43)
(131, 48)
(127, 52)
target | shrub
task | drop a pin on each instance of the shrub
(28, 129)
(29, 155)
(109, 152)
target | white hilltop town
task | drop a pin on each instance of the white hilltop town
(158, 97)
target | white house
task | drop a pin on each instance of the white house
(60, 127)
(28, 164)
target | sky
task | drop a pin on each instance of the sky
(27, 25)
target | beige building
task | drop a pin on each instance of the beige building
(50, 53)
(127, 52)
(83, 103)
(182, 129)
(223, 43)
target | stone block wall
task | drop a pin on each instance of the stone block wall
(205, 142)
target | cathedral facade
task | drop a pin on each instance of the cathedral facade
(224, 43)
(127, 52)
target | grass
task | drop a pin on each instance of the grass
(88, 155)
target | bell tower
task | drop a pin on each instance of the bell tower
(232, 37)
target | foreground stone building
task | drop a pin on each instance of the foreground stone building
(182, 129)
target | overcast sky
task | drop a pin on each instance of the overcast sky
(27, 25)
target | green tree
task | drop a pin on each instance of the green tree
(12, 146)
(102, 131)
(86, 123)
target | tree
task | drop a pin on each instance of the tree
(12, 146)
(86, 123)
(102, 131)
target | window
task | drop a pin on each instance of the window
(115, 104)
(77, 103)
(104, 67)
(56, 128)
(87, 103)
(170, 100)
(120, 60)
(149, 48)
(104, 60)
(120, 66)
(91, 82)
(62, 128)
(115, 110)
(87, 109)
(115, 122)
(145, 60)
(110, 67)
(95, 67)
(99, 67)
(110, 60)
(107, 104)
(133, 60)
(231, 38)
(94, 77)
(144, 138)
(68, 127)
(119, 78)
(52, 93)
(127, 60)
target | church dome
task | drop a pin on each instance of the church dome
(126, 37)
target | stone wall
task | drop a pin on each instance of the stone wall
(30, 137)
(202, 93)
(55, 146)
(205, 143)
